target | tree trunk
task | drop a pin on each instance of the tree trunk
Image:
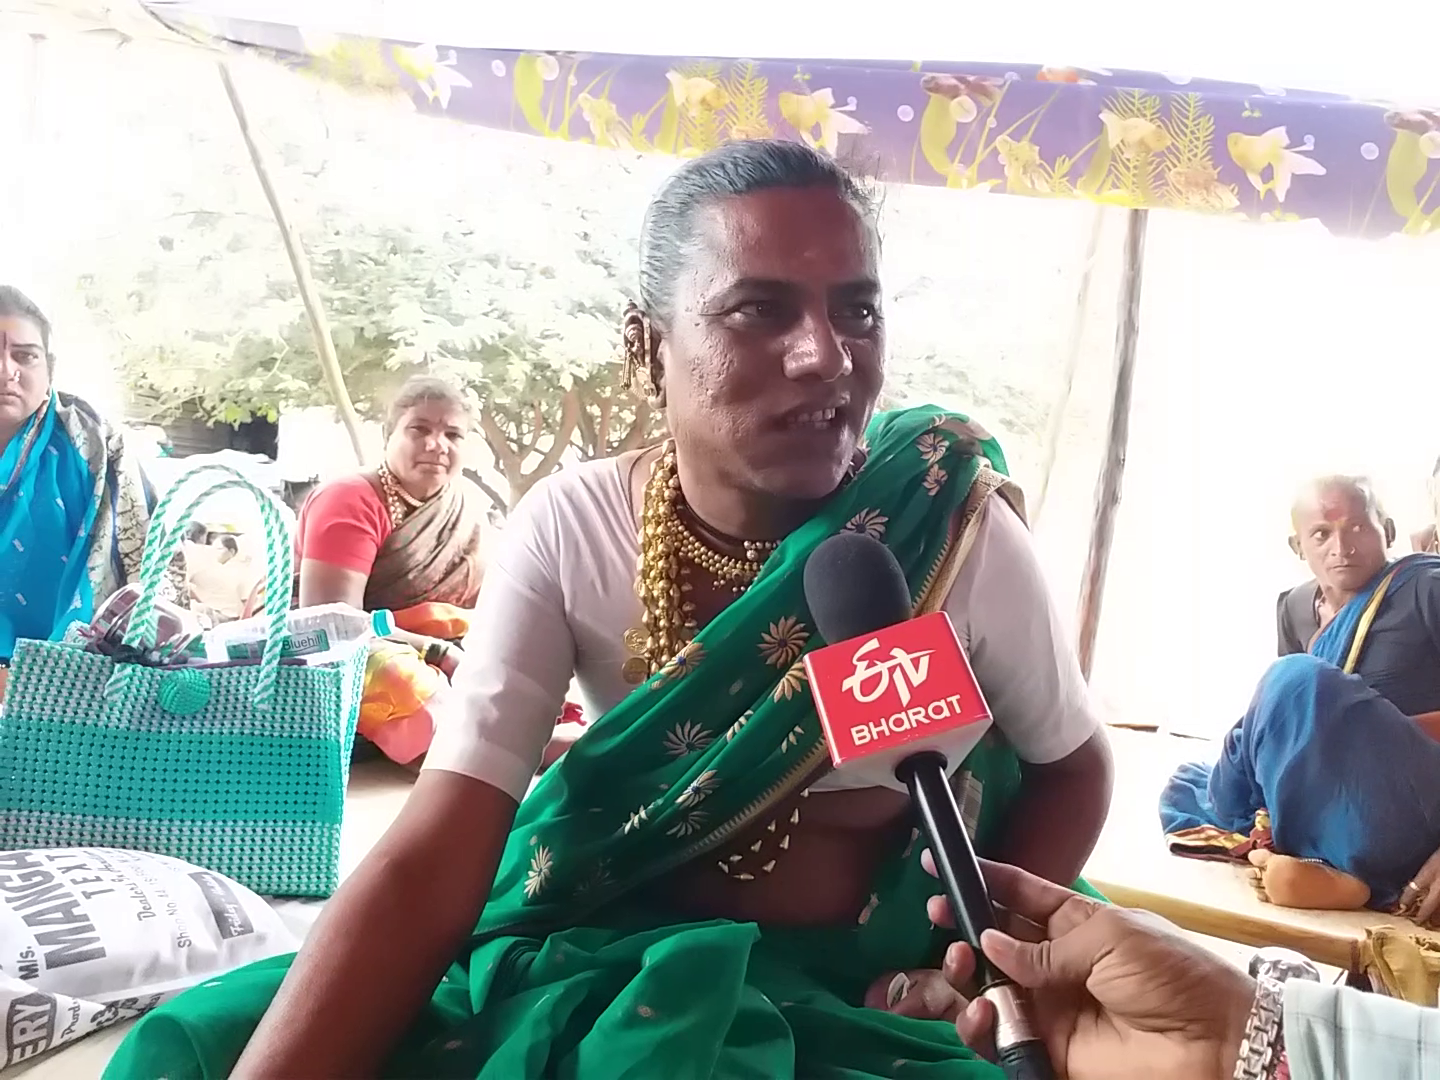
(304, 281)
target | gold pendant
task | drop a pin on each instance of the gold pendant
(635, 670)
(635, 639)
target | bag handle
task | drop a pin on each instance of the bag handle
(161, 546)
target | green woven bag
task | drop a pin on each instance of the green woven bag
(238, 769)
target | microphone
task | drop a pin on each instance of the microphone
(889, 690)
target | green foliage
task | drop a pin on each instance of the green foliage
(1135, 177)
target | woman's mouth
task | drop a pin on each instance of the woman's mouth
(815, 420)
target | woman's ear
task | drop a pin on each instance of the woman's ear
(1389, 528)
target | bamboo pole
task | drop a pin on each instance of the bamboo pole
(1061, 407)
(1108, 487)
(300, 264)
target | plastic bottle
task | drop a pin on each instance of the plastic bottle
(309, 631)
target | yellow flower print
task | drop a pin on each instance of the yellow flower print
(696, 791)
(638, 818)
(687, 738)
(538, 877)
(1024, 171)
(870, 522)
(1256, 153)
(818, 119)
(791, 738)
(683, 662)
(783, 642)
(735, 727)
(603, 118)
(695, 94)
(1135, 135)
(935, 478)
(690, 822)
(932, 446)
(791, 683)
(436, 77)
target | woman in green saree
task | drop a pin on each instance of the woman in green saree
(691, 891)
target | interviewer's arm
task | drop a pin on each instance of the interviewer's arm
(1337, 1033)
(386, 938)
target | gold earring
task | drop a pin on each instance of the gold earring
(638, 372)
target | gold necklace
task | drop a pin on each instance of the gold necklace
(669, 549)
(398, 501)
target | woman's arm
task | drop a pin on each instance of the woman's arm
(1061, 810)
(1026, 666)
(384, 941)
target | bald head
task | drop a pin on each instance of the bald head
(1341, 531)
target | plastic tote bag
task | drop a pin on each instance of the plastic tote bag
(237, 768)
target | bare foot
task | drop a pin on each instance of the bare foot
(1299, 883)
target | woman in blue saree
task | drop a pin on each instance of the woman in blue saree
(73, 506)
(1330, 783)
(691, 890)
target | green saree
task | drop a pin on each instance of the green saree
(564, 976)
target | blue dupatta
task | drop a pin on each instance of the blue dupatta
(1321, 766)
(1343, 639)
(47, 513)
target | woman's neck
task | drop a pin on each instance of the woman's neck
(742, 515)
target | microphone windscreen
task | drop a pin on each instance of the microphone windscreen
(854, 586)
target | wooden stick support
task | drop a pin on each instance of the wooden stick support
(1112, 474)
(1061, 407)
(304, 280)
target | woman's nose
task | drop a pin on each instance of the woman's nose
(818, 353)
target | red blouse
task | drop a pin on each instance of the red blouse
(343, 523)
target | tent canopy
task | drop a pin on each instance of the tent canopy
(1122, 136)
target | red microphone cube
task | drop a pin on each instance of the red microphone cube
(887, 694)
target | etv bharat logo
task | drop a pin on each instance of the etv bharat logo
(871, 678)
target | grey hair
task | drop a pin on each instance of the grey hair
(15, 304)
(422, 390)
(1360, 485)
(732, 170)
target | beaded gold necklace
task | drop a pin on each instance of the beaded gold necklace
(669, 549)
(398, 501)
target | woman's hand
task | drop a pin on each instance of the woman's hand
(927, 994)
(1420, 899)
(1116, 993)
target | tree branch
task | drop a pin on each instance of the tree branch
(511, 463)
(639, 433)
(300, 265)
(569, 417)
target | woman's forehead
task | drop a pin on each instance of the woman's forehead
(799, 235)
(19, 330)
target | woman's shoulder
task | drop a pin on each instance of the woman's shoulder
(586, 487)
(354, 496)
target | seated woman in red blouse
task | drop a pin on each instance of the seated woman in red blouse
(404, 537)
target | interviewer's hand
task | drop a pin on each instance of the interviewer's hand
(1116, 993)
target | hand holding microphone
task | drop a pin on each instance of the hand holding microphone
(891, 692)
(1118, 994)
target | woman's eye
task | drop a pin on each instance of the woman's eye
(866, 313)
(759, 309)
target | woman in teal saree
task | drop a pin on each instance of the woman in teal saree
(686, 893)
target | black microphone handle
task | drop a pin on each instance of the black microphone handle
(1022, 1054)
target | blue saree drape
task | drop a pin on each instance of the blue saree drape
(1334, 771)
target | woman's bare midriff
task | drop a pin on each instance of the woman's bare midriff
(823, 879)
